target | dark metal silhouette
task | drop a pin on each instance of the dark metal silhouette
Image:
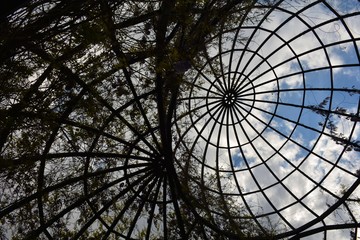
(217, 160)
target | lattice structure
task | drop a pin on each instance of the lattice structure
(180, 120)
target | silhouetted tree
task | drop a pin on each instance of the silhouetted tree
(88, 93)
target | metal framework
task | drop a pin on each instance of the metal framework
(107, 136)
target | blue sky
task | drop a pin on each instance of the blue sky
(273, 140)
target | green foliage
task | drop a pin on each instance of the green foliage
(87, 97)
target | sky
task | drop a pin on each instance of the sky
(254, 126)
(276, 153)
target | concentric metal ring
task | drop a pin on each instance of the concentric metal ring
(108, 134)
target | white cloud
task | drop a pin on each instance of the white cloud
(263, 148)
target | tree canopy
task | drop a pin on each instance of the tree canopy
(102, 127)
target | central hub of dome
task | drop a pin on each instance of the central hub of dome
(229, 98)
(159, 168)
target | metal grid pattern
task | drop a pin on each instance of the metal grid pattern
(253, 137)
